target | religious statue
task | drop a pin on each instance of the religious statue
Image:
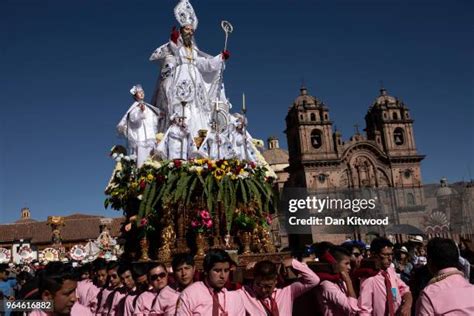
(105, 240)
(56, 222)
(177, 143)
(242, 142)
(216, 145)
(188, 75)
(139, 126)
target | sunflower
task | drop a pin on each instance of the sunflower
(218, 174)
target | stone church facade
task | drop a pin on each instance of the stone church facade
(384, 157)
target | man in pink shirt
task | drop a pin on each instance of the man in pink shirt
(335, 294)
(85, 284)
(384, 293)
(157, 279)
(58, 285)
(210, 298)
(448, 292)
(113, 283)
(263, 298)
(183, 270)
(127, 305)
(128, 284)
(99, 282)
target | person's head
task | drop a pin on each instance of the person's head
(112, 275)
(85, 271)
(265, 278)
(158, 276)
(216, 265)
(183, 269)
(140, 95)
(402, 255)
(125, 273)
(58, 283)
(139, 274)
(356, 253)
(442, 254)
(382, 249)
(137, 92)
(421, 250)
(187, 33)
(99, 267)
(4, 272)
(320, 248)
(342, 257)
(23, 277)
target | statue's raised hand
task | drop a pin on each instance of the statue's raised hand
(174, 35)
(225, 54)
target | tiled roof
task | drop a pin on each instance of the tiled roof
(77, 227)
(276, 156)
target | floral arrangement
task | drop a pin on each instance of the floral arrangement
(202, 222)
(245, 222)
(188, 183)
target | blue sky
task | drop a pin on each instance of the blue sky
(67, 66)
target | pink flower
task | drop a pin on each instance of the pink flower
(143, 222)
(269, 220)
(204, 214)
(194, 223)
(208, 224)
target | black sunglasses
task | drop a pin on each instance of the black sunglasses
(155, 277)
(356, 254)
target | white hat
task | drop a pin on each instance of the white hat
(185, 15)
(135, 89)
(417, 239)
(404, 249)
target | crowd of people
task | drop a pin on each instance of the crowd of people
(348, 279)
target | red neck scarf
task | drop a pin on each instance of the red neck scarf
(388, 287)
(271, 310)
(216, 306)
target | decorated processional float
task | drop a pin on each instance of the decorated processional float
(191, 176)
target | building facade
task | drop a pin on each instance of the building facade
(384, 157)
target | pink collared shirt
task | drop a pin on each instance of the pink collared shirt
(37, 312)
(284, 297)
(79, 310)
(144, 303)
(113, 300)
(165, 303)
(373, 295)
(126, 306)
(82, 289)
(451, 296)
(196, 300)
(76, 310)
(91, 298)
(102, 299)
(333, 300)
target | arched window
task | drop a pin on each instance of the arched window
(395, 115)
(316, 138)
(325, 116)
(410, 199)
(313, 117)
(399, 136)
